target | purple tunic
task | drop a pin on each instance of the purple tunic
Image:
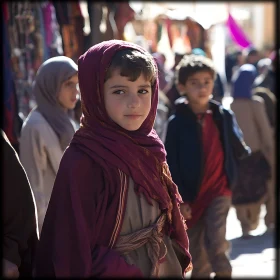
(82, 223)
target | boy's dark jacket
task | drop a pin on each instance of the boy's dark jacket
(184, 149)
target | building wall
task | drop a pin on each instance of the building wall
(269, 24)
(260, 26)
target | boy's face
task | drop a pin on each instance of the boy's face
(127, 103)
(198, 88)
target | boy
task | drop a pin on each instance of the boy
(203, 140)
(114, 209)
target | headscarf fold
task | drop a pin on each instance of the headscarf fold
(49, 78)
(139, 154)
(243, 80)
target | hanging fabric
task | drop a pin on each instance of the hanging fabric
(150, 34)
(42, 32)
(12, 123)
(168, 24)
(95, 15)
(124, 14)
(62, 10)
(236, 33)
(195, 33)
(78, 22)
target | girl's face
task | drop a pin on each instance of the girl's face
(127, 103)
(198, 88)
(68, 94)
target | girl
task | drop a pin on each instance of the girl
(114, 210)
(254, 171)
(48, 129)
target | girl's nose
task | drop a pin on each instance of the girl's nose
(134, 101)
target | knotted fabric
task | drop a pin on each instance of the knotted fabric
(152, 236)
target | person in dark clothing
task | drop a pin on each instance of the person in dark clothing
(172, 93)
(266, 78)
(177, 58)
(218, 91)
(232, 60)
(203, 143)
(20, 227)
(252, 56)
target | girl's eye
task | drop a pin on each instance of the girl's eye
(143, 91)
(118, 92)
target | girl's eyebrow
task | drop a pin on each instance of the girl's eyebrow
(197, 79)
(118, 86)
(145, 86)
(122, 86)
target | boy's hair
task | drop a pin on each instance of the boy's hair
(191, 64)
(132, 64)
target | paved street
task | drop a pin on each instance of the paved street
(253, 258)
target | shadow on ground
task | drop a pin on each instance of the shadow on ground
(253, 245)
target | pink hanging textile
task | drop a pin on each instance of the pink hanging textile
(236, 33)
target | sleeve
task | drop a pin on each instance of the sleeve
(264, 129)
(69, 240)
(172, 150)
(19, 209)
(241, 150)
(33, 156)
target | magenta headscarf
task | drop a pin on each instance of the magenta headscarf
(139, 154)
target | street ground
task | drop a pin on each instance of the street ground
(250, 258)
(255, 257)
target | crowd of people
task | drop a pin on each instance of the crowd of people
(128, 169)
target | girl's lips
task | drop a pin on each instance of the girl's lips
(133, 116)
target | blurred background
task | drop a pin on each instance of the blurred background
(224, 31)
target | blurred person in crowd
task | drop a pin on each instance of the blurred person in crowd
(229, 64)
(163, 103)
(269, 102)
(172, 93)
(266, 77)
(232, 63)
(252, 56)
(239, 60)
(48, 129)
(202, 143)
(114, 210)
(177, 58)
(162, 115)
(20, 228)
(77, 113)
(270, 108)
(164, 77)
(256, 170)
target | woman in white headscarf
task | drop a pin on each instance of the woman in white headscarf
(48, 129)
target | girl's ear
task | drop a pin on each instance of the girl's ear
(181, 88)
